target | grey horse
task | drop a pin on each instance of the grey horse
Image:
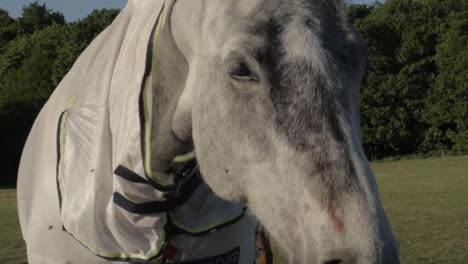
(266, 92)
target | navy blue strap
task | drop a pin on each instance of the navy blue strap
(231, 257)
(156, 207)
(143, 208)
(129, 175)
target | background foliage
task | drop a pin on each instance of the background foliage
(36, 51)
(414, 97)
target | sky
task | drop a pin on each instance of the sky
(76, 9)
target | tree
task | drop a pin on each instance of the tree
(36, 17)
(358, 12)
(7, 28)
(94, 23)
(78, 36)
(390, 97)
(405, 38)
(447, 106)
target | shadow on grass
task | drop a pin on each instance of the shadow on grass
(16, 119)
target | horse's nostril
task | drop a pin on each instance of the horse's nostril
(335, 261)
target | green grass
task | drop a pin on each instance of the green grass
(426, 200)
(12, 248)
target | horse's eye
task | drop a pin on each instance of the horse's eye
(242, 72)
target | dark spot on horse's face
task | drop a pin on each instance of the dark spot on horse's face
(271, 31)
(305, 104)
(323, 165)
(307, 107)
(303, 100)
(310, 24)
(51, 227)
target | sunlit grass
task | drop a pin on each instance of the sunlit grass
(426, 200)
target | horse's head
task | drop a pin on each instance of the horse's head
(272, 104)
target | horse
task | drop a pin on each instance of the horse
(265, 94)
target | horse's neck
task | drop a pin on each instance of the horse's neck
(169, 82)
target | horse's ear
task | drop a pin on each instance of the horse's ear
(182, 120)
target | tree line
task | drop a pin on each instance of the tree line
(414, 96)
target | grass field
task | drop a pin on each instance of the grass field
(12, 249)
(426, 200)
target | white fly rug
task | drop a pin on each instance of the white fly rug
(103, 169)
